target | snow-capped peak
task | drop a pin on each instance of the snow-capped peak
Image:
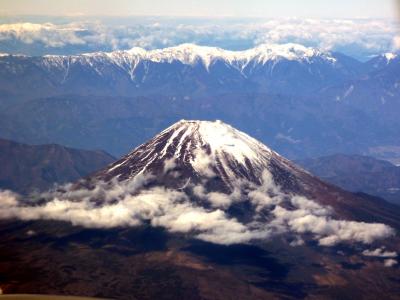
(191, 53)
(287, 51)
(205, 147)
(389, 56)
(222, 139)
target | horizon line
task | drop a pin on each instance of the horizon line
(82, 15)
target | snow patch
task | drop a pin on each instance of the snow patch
(390, 56)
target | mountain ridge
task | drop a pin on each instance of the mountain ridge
(133, 71)
(190, 53)
(27, 168)
(358, 173)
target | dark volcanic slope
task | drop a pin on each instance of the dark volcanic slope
(148, 264)
(27, 167)
(358, 173)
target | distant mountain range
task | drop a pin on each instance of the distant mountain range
(302, 101)
(186, 71)
(358, 173)
(26, 168)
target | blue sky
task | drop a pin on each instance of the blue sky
(213, 8)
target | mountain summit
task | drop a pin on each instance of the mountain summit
(199, 150)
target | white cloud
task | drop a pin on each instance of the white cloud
(298, 241)
(47, 33)
(267, 194)
(8, 198)
(127, 203)
(219, 199)
(330, 34)
(162, 207)
(203, 163)
(390, 262)
(396, 43)
(380, 252)
(361, 37)
(310, 217)
(169, 164)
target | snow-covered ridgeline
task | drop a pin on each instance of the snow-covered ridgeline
(190, 54)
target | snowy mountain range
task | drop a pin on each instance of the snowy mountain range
(191, 54)
(290, 96)
(196, 69)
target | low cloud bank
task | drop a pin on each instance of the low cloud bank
(127, 203)
(360, 38)
(309, 217)
(163, 207)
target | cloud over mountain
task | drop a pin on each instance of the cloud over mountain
(359, 37)
(119, 204)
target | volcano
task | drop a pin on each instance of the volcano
(201, 211)
(201, 151)
(223, 159)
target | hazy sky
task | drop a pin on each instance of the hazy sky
(237, 8)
